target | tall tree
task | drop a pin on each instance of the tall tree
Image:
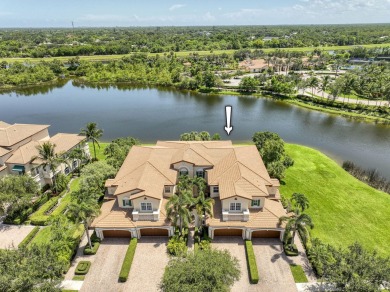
(50, 159)
(93, 133)
(300, 201)
(296, 222)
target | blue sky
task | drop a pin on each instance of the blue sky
(55, 13)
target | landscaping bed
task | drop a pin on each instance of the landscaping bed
(82, 268)
(251, 262)
(29, 237)
(298, 274)
(128, 260)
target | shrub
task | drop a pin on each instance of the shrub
(82, 268)
(40, 217)
(251, 261)
(62, 181)
(93, 250)
(39, 220)
(290, 250)
(205, 244)
(29, 237)
(177, 246)
(95, 238)
(124, 273)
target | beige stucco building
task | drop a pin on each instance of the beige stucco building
(18, 147)
(247, 200)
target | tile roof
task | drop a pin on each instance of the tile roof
(12, 134)
(112, 216)
(4, 151)
(238, 170)
(266, 217)
(63, 142)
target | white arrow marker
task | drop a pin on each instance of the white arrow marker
(228, 127)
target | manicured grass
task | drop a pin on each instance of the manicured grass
(298, 274)
(343, 209)
(99, 151)
(44, 235)
(29, 237)
(78, 278)
(187, 53)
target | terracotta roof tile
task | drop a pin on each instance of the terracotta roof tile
(12, 134)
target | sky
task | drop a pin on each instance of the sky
(95, 13)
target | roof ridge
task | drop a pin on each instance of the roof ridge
(253, 172)
(228, 167)
(253, 185)
(265, 206)
(159, 171)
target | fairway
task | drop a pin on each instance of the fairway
(97, 58)
(343, 209)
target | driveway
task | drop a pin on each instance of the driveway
(235, 245)
(104, 272)
(12, 235)
(148, 265)
(146, 270)
(273, 265)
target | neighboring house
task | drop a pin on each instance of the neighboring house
(18, 147)
(253, 66)
(246, 198)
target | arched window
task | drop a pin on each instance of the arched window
(183, 171)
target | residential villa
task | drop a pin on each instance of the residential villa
(18, 147)
(253, 65)
(247, 200)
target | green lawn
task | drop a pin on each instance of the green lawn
(99, 151)
(343, 209)
(44, 235)
(186, 53)
(298, 274)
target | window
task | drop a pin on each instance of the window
(167, 189)
(200, 173)
(67, 170)
(74, 163)
(216, 189)
(255, 203)
(126, 202)
(235, 206)
(146, 206)
(183, 171)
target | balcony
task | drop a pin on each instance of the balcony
(235, 216)
(149, 216)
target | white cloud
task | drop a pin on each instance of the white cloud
(176, 6)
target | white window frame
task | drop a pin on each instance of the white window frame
(234, 205)
(167, 189)
(217, 189)
(146, 208)
(257, 203)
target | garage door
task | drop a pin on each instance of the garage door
(227, 232)
(154, 232)
(117, 233)
(266, 234)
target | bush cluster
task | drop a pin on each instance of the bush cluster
(39, 217)
(124, 273)
(29, 237)
(82, 268)
(93, 250)
(177, 245)
(290, 250)
(251, 261)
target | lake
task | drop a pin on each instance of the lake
(157, 113)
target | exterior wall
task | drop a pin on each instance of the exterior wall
(137, 204)
(271, 190)
(188, 166)
(245, 203)
(212, 193)
(262, 200)
(111, 190)
(172, 190)
(120, 200)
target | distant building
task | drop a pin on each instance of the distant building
(253, 66)
(18, 147)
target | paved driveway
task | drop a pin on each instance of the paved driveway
(235, 245)
(104, 272)
(12, 235)
(273, 265)
(148, 265)
(146, 271)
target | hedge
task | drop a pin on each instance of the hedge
(39, 217)
(251, 261)
(82, 268)
(125, 270)
(29, 237)
(289, 252)
(93, 250)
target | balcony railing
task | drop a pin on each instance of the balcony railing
(140, 216)
(235, 216)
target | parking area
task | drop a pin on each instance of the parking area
(12, 235)
(235, 245)
(146, 271)
(273, 265)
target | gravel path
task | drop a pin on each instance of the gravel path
(12, 235)
(235, 245)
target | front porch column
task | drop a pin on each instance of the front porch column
(99, 233)
(248, 234)
(281, 235)
(138, 233)
(211, 232)
(134, 233)
(171, 231)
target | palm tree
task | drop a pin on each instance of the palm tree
(178, 209)
(93, 133)
(79, 155)
(81, 212)
(295, 223)
(313, 83)
(204, 207)
(51, 159)
(300, 201)
(325, 84)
